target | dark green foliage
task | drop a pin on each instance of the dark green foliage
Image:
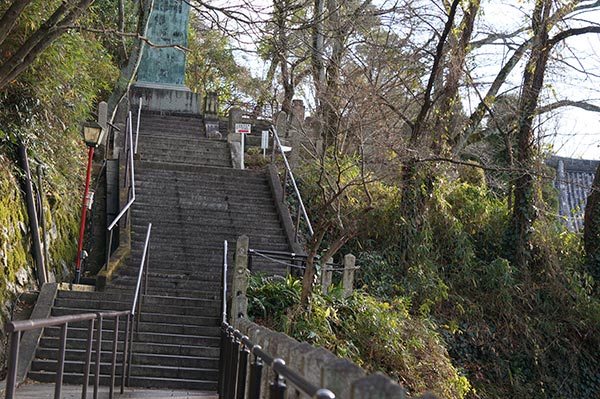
(517, 332)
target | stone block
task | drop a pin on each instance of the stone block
(338, 376)
(377, 386)
(313, 363)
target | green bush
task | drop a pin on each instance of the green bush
(377, 335)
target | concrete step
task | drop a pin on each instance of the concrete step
(166, 169)
(175, 372)
(186, 158)
(135, 381)
(202, 187)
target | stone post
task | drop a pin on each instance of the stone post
(377, 386)
(234, 140)
(348, 276)
(239, 301)
(326, 275)
(338, 376)
(103, 117)
(235, 116)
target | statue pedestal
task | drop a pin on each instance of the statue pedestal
(164, 98)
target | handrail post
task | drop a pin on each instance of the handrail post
(88, 359)
(277, 387)
(98, 354)
(234, 365)
(241, 374)
(255, 376)
(13, 363)
(113, 365)
(61, 360)
(224, 282)
(222, 358)
(124, 363)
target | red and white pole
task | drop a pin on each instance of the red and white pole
(83, 215)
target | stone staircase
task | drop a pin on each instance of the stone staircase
(186, 188)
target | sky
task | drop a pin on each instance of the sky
(571, 131)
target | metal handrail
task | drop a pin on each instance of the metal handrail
(15, 329)
(137, 303)
(131, 200)
(142, 270)
(233, 370)
(137, 126)
(291, 175)
(285, 259)
(224, 282)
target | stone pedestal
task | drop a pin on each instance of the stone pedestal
(165, 98)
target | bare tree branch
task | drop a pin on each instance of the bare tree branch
(568, 103)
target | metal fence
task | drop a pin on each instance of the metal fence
(15, 329)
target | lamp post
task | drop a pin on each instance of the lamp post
(92, 133)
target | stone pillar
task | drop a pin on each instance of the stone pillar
(234, 140)
(235, 116)
(239, 301)
(377, 386)
(338, 376)
(348, 276)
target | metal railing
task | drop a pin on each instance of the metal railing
(15, 329)
(139, 293)
(235, 381)
(290, 260)
(129, 181)
(224, 283)
(290, 175)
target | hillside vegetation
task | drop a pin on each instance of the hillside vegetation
(448, 312)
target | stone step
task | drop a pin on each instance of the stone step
(152, 317)
(135, 381)
(186, 159)
(172, 285)
(166, 170)
(75, 355)
(169, 231)
(194, 307)
(253, 189)
(161, 371)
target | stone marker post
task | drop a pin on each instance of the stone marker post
(326, 275)
(239, 301)
(348, 276)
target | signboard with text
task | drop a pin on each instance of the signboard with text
(243, 128)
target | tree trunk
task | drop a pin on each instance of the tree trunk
(524, 212)
(56, 25)
(10, 17)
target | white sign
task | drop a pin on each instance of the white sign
(264, 143)
(243, 128)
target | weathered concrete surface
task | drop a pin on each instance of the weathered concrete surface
(30, 339)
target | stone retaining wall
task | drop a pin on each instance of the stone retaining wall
(321, 367)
